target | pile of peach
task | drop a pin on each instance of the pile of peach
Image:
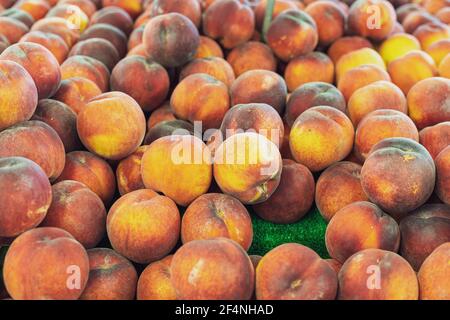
(345, 104)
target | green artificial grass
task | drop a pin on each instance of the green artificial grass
(309, 231)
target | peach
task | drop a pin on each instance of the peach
(359, 226)
(18, 14)
(381, 124)
(40, 64)
(12, 29)
(374, 96)
(320, 137)
(251, 155)
(444, 15)
(294, 272)
(428, 102)
(136, 37)
(60, 27)
(86, 67)
(88, 6)
(230, 22)
(168, 128)
(155, 281)
(375, 274)
(311, 67)
(76, 92)
(189, 8)
(435, 138)
(25, 198)
(128, 172)
(423, 230)
(292, 33)
(143, 226)
(285, 205)
(405, 9)
(346, 45)
(338, 186)
(132, 7)
(36, 8)
(111, 276)
(444, 67)
(433, 6)
(438, 50)
(54, 43)
(443, 175)
(259, 86)
(214, 66)
(171, 39)
(160, 114)
(251, 55)
(36, 141)
(398, 175)
(433, 275)
(73, 14)
(357, 58)
(208, 48)
(114, 16)
(216, 215)
(200, 97)
(222, 270)
(280, 6)
(107, 32)
(18, 94)
(99, 49)
(334, 264)
(397, 46)
(100, 132)
(144, 80)
(143, 19)
(311, 95)
(60, 270)
(4, 43)
(62, 119)
(430, 33)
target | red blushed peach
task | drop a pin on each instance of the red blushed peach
(311, 95)
(182, 158)
(403, 10)
(438, 50)
(160, 114)
(345, 45)
(73, 14)
(18, 94)
(285, 205)
(40, 64)
(280, 6)
(375, 96)
(208, 48)
(433, 275)
(92, 171)
(143, 19)
(200, 97)
(128, 172)
(423, 230)
(18, 14)
(379, 125)
(444, 15)
(334, 264)
(36, 141)
(171, 39)
(433, 6)
(430, 33)
(60, 257)
(54, 43)
(320, 137)
(330, 20)
(444, 67)
(213, 66)
(212, 269)
(168, 128)
(291, 34)
(86, 67)
(99, 49)
(259, 86)
(88, 6)
(358, 58)
(101, 133)
(136, 38)
(216, 215)
(311, 67)
(435, 138)
(132, 7)
(60, 27)
(155, 281)
(254, 156)
(62, 119)
(428, 102)
(294, 272)
(36, 8)
(111, 276)
(79, 211)
(359, 226)
(25, 198)
(189, 8)
(4, 43)
(144, 80)
(143, 226)
(12, 29)
(375, 274)
(251, 55)
(443, 175)
(115, 16)
(107, 32)
(337, 187)
(398, 175)
(76, 92)
(229, 21)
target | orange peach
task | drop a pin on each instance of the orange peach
(155, 281)
(18, 14)
(357, 58)
(208, 48)
(438, 50)
(430, 33)
(444, 15)
(417, 18)
(443, 175)
(86, 67)
(214, 66)
(12, 29)
(107, 32)
(88, 6)
(251, 55)
(54, 43)
(132, 7)
(160, 114)
(189, 8)
(346, 45)
(279, 6)
(73, 14)
(433, 275)
(76, 92)
(444, 67)
(405, 9)
(115, 16)
(435, 138)
(397, 46)
(136, 37)
(60, 27)
(128, 172)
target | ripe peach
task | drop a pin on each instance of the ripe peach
(443, 175)
(25, 198)
(154, 221)
(397, 46)
(438, 50)
(433, 275)
(215, 215)
(280, 6)
(88, 6)
(185, 159)
(128, 172)
(212, 269)
(18, 14)
(4, 43)
(18, 94)
(155, 281)
(346, 45)
(338, 186)
(444, 67)
(311, 95)
(107, 32)
(76, 92)
(132, 7)
(111, 276)
(444, 15)
(214, 66)
(114, 16)
(320, 137)
(12, 29)
(208, 48)
(405, 9)
(294, 272)
(36, 8)
(375, 274)
(99, 49)
(60, 270)
(60, 27)
(54, 43)
(189, 8)
(168, 128)
(144, 80)
(334, 264)
(136, 37)
(73, 14)
(160, 114)
(86, 67)
(259, 86)
(430, 33)
(357, 58)
(292, 33)
(251, 55)
(435, 138)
